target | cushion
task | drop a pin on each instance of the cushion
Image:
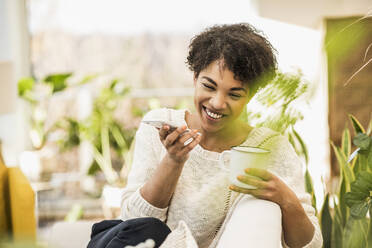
(22, 205)
(5, 225)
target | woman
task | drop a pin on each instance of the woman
(181, 183)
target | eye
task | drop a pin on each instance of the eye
(235, 96)
(208, 86)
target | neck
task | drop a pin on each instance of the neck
(224, 139)
(225, 134)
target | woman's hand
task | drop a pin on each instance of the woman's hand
(159, 189)
(174, 142)
(268, 187)
(297, 227)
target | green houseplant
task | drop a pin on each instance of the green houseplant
(109, 140)
(281, 95)
(36, 94)
(103, 132)
(38, 162)
(101, 129)
(344, 215)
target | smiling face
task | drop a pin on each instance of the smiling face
(219, 98)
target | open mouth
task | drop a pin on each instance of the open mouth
(212, 115)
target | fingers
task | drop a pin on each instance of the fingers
(252, 181)
(187, 137)
(191, 145)
(169, 139)
(182, 145)
(254, 192)
(179, 142)
(263, 174)
(163, 132)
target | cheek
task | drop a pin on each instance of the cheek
(238, 108)
(198, 96)
(197, 101)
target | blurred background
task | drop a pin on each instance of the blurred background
(76, 76)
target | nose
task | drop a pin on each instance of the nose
(218, 101)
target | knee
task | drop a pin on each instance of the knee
(147, 226)
(135, 231)
(129, 232)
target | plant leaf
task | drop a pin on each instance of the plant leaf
(363, 183)
(25, 90)
(93, 168)
(369, 128)
(356, 167)
(359, 198)
(369, 159)
(72, 137)
(349, 175)
(369, 234)
(362, 160)
(88, 79)
(57, 81)
(303, 146)
(353, 163)
(75, 213)
(118, 137)
(358, 128)
(310, 187)
(355, 233)
(352, 198)
(25, 85)
(366, 177)
(342, 205)
(362, 141)
(359, 210)
(337, 228)
(326, 223)
(346, 144)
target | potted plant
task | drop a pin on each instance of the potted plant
(109, 141)
(346, 214)
(38, 94)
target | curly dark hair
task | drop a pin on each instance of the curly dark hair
(243, 49)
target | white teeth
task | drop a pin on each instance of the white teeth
(213, 115)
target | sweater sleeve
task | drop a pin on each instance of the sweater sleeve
(288, 166)
(145, 160)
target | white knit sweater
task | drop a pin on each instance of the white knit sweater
(200, 207)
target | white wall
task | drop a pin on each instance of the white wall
(311, 13)
(14, 48)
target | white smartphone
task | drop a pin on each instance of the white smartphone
(158, 124)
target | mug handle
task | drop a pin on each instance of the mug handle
(221, 161)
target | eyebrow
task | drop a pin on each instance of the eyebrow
(215, 84)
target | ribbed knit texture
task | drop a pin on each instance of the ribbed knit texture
(202, 203)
